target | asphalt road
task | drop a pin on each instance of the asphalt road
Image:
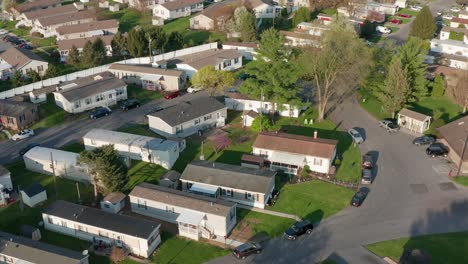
(410, 195)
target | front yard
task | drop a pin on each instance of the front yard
(143, 95)
(250, 224)
(443, 248)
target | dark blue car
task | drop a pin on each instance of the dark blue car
(99, 112)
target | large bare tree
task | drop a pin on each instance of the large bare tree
(338, 66)
(460, 91)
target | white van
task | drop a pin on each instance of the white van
(383, 30)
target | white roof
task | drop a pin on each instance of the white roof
(190, 217)
(41, 153)
(204, 188)
(114, 137)
(450, 42)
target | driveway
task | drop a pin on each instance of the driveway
(407, 198)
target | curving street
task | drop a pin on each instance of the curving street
(411, 195)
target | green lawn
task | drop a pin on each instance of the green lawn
(76, 147)
(329, 11)
(23, 32)
(196, 36)
(176, 250)
(138, 129)
(128, 18)
(50, 114)
(144, 172)
(313, 200)
(143, 95)
(443, 248)
(408, 11)
(456, 36)
(261, 223)
(463, 180)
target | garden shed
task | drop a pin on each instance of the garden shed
(170, 179)
(33, 195)
(248, 117)
(113, 202)
(413, 121)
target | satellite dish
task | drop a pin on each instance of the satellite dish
(85, 252)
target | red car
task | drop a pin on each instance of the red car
(172, 95)
(404, 15)
(395, 21)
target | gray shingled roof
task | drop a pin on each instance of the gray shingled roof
(123, 224)
(226, 175)
(35, 251)
(34, 189)
(13, 108)
(182, 199)
(189, 110)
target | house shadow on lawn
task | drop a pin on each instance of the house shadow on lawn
(231, 157)
(315, 217)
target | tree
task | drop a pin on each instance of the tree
(219, 140)
(423, 25)
(438, 88)
(99, 52)
(175, 41)
(137, 42)
(367, 29)
(212, 80)
(52, 71)
(412, 55)
(55, 56)
(460, 92)
(158, 38)
(261, 123)
(106, 167)
(394, 94)
(117, 254)
(17, 79)
(301, 15)
(338, 67)
(73, 56)
(7, 4)
(276, 73)
(87, 54)
(243, 22)
(119, 44)
(33, 76)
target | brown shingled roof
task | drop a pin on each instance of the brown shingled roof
(14, 109)
(177, 4)
(18, 57)
(34, 5)
(63, 18)
(80, 43)
(114, 197)
(412, 114)
(459, 20)
(455, 133)
(297, 144)
(55, 11)
(85, 27)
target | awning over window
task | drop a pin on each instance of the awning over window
(190, 217)
(203, 188)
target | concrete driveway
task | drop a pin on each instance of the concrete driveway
(407, 198)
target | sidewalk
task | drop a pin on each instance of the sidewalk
(264, 211)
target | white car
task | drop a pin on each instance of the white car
(193, 90)
(23, 134)
(455, 9)
(3, 32)
(357, 138)
(416, 8)
(384, 30)
(448, 17)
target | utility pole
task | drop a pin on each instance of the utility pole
(149, 47)
(460, 163)
(261, 109)
(53, 174)
(78, 190)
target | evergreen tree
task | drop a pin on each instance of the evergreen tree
(158, 38)
(175, 41)
(438, 88)
(86, 57)
(423, 25)
(301, 15)
(52, 71)
(367, 29)
(137, 43)
(245, 21)
(99, 52)
(73, 56)
(119, 45)
(33, 76)
(17, 79)
(395, 90)
(412, 55)
(55, 56)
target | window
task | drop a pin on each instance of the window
(99, 97)
(103, 233)
(229, 193)
(218, 115)
(318, 162)
(196, 22)
(197, 121)
(49, 219)
(208, 117)
(106, 206)
(142, 205)
(110, 96)
(189, 185)
(236, 60)
(64, 223)
(88, 101)
(120, 92)
(226, 63)
(77, 104)
(269, 10)
(40, 68)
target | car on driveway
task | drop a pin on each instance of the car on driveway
(359, 198)
(389, 125)
(367, 161)
(298, 229)
(366, 176)
(28, 147)
(424, 140)
(100, 112)
(404, 15)
(455, 9)
(3, 32)
(416, 8)
(395, 21)
(171, 95)
(357, 138)
(437, 150)
(244, 250)
(129, 104)
(447, 16)
(23, 134)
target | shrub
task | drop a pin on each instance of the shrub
(438, 88)
(266, 122)
(305, 171)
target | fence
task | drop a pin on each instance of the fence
(349, 185)
(79, 74)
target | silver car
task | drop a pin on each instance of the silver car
(357, 138)
(366, 176)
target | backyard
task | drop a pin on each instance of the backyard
(143, 95)
(443, 248)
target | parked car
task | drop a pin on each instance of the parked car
(358, 198)
(23, 134)
(25, 46)
(273, 198)
(298, 229)
(424, 140)
(3, 32)
(447, 16)
(193, 90)
(171, 95)
(367, 161)
(389, 125)
(129, 104)
(437, 150)
(357, 138)
(100, 112)
(416, 8)
(366, 176)
(28, 147)
(383, 30)
(455, 9)
(404, 15)
(395, 21)
(246, 249)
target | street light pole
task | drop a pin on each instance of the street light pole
(261, 109)
(460, 163)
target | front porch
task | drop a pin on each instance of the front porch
(192, 224)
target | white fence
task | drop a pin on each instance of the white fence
(72, 76)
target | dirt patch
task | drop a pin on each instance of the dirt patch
(244, 230)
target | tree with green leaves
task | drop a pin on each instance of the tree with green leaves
(119, 45)
(137, 43)
(367, 29)
(175, 41)
(301, 15)
(424, 24)
(158, 38)
(73, 57)
(395, 90)
(245, 21)
(18, 79)
(412, 55)
(106, 167)
(261, 123)
(438, 86)
(276, 73)
(94, 53)
(211, 80)
(34, 76)
(460, 91)
(55, 55)
(52, 71)
(86, 57)
(338, 67)
(382, 57)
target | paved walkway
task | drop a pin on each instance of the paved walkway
(264, 211)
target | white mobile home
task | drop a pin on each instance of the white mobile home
(289, 152)
(83, 94)
(251, 187)
(239, 102)
(196, 216)
(62, 163)
(33, 195)
(188, 117)
(246, 49)
(140, 237)
(159, 151)
(169, 10)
